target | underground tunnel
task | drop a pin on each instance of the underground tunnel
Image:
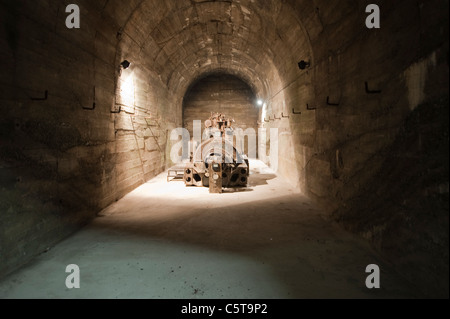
(359, 176)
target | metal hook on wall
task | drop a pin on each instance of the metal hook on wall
(296, 113)
(332, 104)
(283, 116)
(90, 108)
(93, 104)
(41, 99)
(310, 108)
(276, 118)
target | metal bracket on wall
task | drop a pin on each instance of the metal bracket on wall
(41, 99)
(310, 108)
(332, 104)
(369, 91)
(117, 111)
(90, 108)
(271, 120)
(93, 104)
(276, 118)
(283, 116)
(296, 113)
(267, 121)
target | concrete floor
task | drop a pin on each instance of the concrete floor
(167, 241)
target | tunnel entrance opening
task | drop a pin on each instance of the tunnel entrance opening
(224, 94)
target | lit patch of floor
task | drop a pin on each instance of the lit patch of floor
(167, 241)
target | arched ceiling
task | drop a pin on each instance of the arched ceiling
(260, 41)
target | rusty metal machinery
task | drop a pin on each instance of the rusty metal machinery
(216, 163)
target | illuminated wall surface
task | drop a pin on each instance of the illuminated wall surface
(357, 96)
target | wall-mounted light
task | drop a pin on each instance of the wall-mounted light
(260, 102)
(125, 64)
(303, 65)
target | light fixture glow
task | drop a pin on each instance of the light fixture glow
(127, 90)
(260, 102)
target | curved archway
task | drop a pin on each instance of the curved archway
(177, 43)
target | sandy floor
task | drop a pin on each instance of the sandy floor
(167, 241)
